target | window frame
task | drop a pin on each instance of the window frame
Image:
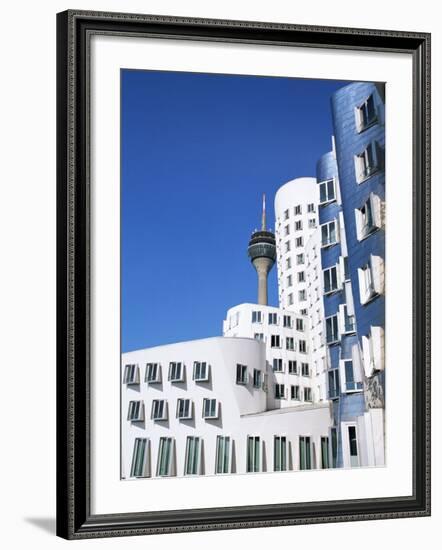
(135, 375)
(241, 380)
(229, 454)
(171, 442)
(280, 448)
(135, 405)
(325, 184)
(142, 468)
(201, 378)
(185, 400)
(158, 373)
(164, 410)
(216, 412)
(174, 365)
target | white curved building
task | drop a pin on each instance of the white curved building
(200, 407)
(296, 220)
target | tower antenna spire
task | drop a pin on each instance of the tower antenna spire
(263, 224)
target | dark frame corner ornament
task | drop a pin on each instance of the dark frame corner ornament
(74, 519)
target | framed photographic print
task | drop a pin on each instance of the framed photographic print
(243, 274)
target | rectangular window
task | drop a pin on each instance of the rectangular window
(298, 225)
(256, 317)
(286, 214)
(257, 376)
(330, 279)
(333, 384)
(307, 394)
(273, 318)
(287, 321)
(287, 246)
(329, 234)
(139, 458)
(193, 450)
(241, 374)
(294, 393)
(301, 277)
(290, 343)
(289, 281)
(334, 447)
(365, 220)
(305, 458)
(365, 114)
(164, 456)
(305, 369)
(300, 259)
(275, 341)
(153, 373)
(325, 460)
(350, 383)
(159, 409)
(287, 230)
(288, 263)
(299, 241)
(200, 371)
(131, 374)
(353, 446)
(299, 324)
(302, 295)
(373, 349)
(302, 346)
(327, 191)
(277, 365)
(290, 299)
(135, 412)
(258, 336)
(298, 210)
(312, 223)
(279, 391)
(331, 329)
(349, 321)
(176, 372)
(280, 453)
(210, 408)
(366, 283)
(366, 163)
(253, 454)
(310, 207)
(184, 409)
(293, 367)
(222, 455)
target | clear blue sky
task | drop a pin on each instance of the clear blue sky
(198, 151)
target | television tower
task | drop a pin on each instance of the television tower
(262, 252)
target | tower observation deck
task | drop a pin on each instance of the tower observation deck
(262, 253)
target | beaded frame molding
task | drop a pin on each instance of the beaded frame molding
(74, 31)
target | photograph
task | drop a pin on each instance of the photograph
(252, 258)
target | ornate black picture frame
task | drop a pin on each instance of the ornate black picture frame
(74, 518)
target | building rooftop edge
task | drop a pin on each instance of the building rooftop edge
(287, 410)
(196, 340)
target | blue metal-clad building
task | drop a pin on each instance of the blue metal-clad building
(352, 197)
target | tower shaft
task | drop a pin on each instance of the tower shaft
(263, 266)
